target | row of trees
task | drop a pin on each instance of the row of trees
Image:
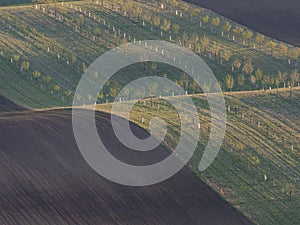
(247, 36)
(165, 25)
(264, 81)
(35, 75)
(206, 45)
(111, 89)
(258, 41)
(39, 78)
(108, 93)
(257, 80)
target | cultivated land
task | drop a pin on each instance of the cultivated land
(45, 49)
(45, 180)
(275, 18)
(250, 151)
(7, 106)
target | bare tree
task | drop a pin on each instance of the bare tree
(248, 68)
(48, 4)
(294, 54)
(174, 3)
(34, 2)
(236, 63)
(259, 40)
(259, 77)
(195, 39)
(266, 81)
(226, 55)
(294, 77)
(184, 38)
(215, 22)
(196, 12)
(56, 88)
(185, 7)
(241, 79)
(290, 188)
(156, 21)
(238, 30)
(271, 45)
(277, 82)
(68, 93)
(73, 58)
(216, 49)
(138, 12)
(205, 43)
(25, 66)
(175, 29)
(229, 81)
(255, 160)
(227, 26)
(252, 81)
(16, 58)
(205, 19)
(283, 49)
(80, 21)
(247, 35)
(46, 79)
(166, 25)
(36, 74)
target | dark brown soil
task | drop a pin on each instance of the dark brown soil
(44, 180)
(279, 19)
(8, 106)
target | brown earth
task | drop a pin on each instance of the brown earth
(44, 180)
(279, 19)
(8, 106)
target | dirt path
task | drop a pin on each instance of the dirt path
(279, 19)
(44, 180)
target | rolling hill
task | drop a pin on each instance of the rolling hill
(258, 164)
(45, 180)
(71, 36)
(44, 50)
(257, 144)
(278, 19)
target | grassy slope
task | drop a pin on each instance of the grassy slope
(43, 31)
(34, 49)
(234, 174)
(242, 184)
(22, 92)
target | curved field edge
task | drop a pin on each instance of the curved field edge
(45, 180)
(251, 150)
(262, 142)
(276, 18)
